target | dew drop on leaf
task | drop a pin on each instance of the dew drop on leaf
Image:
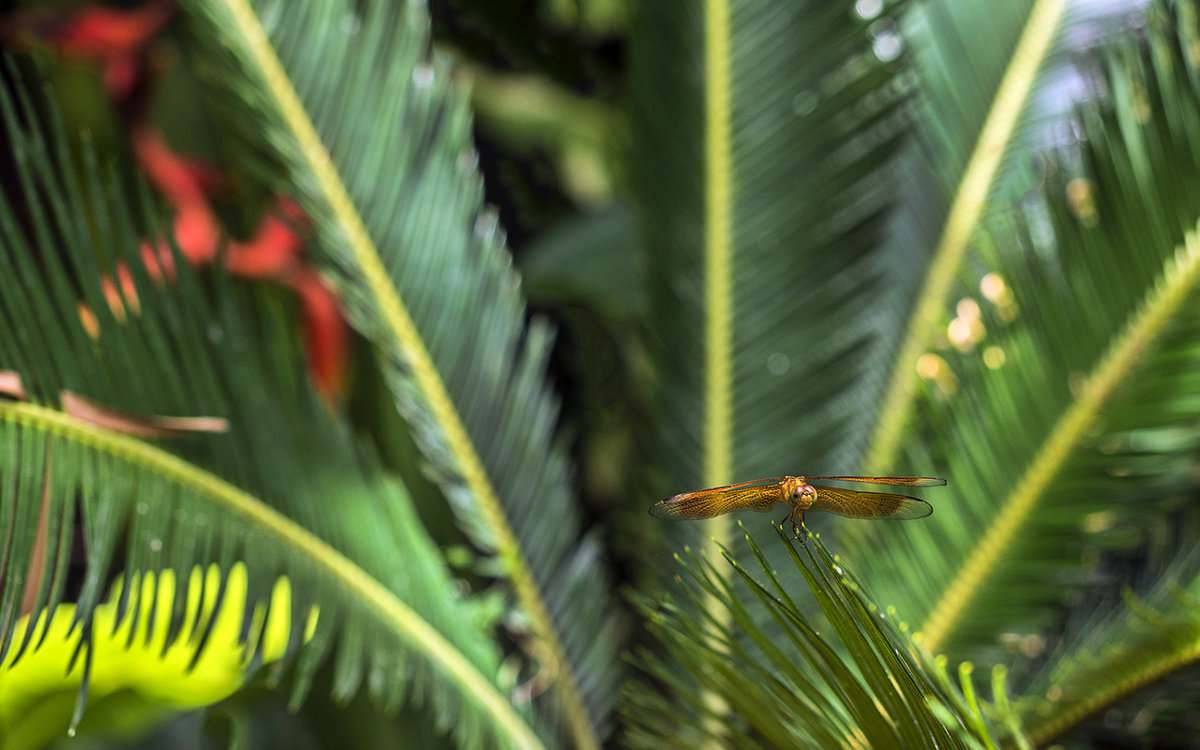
(468, 161)
(888, 46)
(804, 103)
(868, 9)
(778, 363)
(486, 224)
(423, 75)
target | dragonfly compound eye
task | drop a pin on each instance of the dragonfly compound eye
(804, 491)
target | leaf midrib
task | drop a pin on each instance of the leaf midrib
(718, 296)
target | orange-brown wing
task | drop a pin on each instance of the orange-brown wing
(858, 504)
(906, 481)
(760, 495)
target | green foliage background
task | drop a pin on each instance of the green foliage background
(596, 253)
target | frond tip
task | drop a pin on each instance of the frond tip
(136, 648)
(798, 691)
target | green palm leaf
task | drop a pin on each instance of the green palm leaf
(1086, 351)
(763, 138)
(342, 99)
(1141, 644)
(286, 491)
(786, 218)
(973, 105)
(1107, 305)
(801, 690)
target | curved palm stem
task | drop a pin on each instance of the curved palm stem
(545, 645)
(964, 214)
(1179, 278)
(392, 612)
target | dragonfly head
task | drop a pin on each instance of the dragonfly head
(801, 493)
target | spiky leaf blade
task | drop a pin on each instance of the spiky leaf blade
(341, 99)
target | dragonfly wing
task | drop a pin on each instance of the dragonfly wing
(719, 500)
(906, 481)
(858, 504)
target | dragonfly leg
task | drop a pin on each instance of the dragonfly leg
(796, 516)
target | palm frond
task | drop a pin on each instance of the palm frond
(763, 184)
(991, 82)
(105, 469)
(800, 690)
(342, 99)
(286, 492)
(1092, 296)
(763, 135)
(1130, 646)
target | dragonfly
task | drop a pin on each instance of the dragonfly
(762, 495)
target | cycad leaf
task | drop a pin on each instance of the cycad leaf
(178, 347)
(1082, 320)
(973, 105)
(800, 690)
(763, 136)
(1138, 643)
(374, 137)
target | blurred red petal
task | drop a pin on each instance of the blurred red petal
(272, 250)
(325, 333)
(197, 233)
(180, 179)
(121, 76)
(100, 31)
